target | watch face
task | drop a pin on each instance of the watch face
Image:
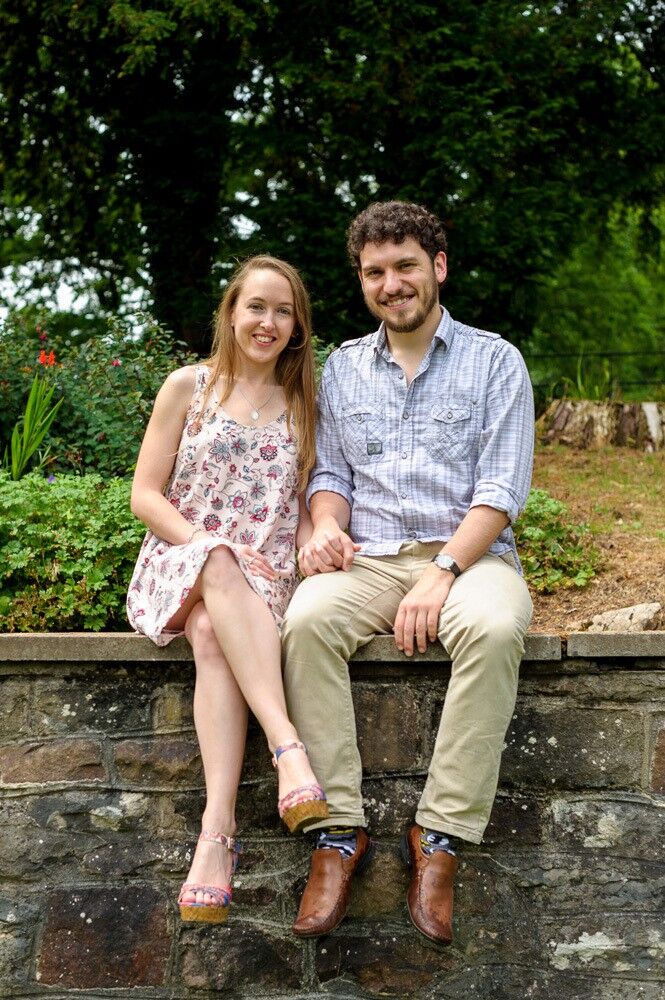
(447, 562)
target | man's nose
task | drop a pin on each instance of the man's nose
(391, 282)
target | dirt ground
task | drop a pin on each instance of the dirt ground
(620, 493)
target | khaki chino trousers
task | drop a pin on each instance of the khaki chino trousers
(481, 627)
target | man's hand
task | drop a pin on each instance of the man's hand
(418, 613)
(328, 550)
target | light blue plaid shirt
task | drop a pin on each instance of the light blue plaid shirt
(413, 459)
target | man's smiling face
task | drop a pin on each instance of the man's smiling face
(401, 283)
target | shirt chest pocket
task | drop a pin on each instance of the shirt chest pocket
(451, 430)
(363, 434)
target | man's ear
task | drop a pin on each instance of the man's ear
(440, 264)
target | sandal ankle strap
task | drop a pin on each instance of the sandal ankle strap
(297, 745)
(212, 836)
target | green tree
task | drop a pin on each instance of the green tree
(136, 132)
(601, 315)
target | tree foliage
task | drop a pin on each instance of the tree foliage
(139, 131)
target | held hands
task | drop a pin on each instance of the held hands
(418, 614)
(328, 550)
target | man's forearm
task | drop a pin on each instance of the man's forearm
(478, 530)
(326, 505)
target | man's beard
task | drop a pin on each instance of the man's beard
(408, 325)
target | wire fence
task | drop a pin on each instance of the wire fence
(568, 367)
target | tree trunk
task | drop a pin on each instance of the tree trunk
(585, 424)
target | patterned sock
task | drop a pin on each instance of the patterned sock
(342, 838)
(432, 840)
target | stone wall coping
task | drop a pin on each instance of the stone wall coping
(616, 644)
(126, 646)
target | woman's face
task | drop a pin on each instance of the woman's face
(263, 317)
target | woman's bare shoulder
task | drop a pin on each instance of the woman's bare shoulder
(180, 384)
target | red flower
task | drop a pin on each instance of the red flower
(46, 359)
(116, 363)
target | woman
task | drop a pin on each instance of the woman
(219, 483)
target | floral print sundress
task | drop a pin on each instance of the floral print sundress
(240, 484)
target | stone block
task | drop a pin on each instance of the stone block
(58, 760)
(389, 960)
(515, 819)
(508, 981)
(116, 703)
(270, 878)
(609, 944)
(389, 722)
(380, 891)
(624, 825)
(235, 956)
(597, 687)
(18, 924)
(611, 644)
(104, 938)
(173, 707)
(14, 698)
(554, 745)
(657, 770)
(390, 803)
(158, 761)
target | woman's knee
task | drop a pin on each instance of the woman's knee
(220, 569)
(199, 630)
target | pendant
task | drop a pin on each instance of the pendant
(254, 414)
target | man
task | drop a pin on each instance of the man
(424, 452)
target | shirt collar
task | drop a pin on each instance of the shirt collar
(444, 333)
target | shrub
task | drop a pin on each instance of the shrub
(554, 552)
(67, 550)
(108, 383)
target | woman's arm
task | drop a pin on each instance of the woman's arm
(157, 456)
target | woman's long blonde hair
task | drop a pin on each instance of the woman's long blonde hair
(295, 365)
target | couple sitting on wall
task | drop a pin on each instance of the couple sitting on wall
(395, 502)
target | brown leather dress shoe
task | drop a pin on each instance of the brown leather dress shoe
(326, 896)
(430, 896)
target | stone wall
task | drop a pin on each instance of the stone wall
(101, 792)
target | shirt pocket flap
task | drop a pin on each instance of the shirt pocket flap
(451, 413)
(359, 413)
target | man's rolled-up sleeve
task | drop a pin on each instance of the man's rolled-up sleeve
(331, 471)
(505, 459)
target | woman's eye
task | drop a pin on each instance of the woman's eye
(255, 306)
(285, 311)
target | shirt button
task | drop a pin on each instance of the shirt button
(401, 375)
(412, 534)
(359, 418)
(450, 415)
(403, 495)
(404, 455)
(405, 416)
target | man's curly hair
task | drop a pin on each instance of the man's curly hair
(395, 221)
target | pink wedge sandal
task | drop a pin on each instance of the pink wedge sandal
(216, 911)
(304, 805)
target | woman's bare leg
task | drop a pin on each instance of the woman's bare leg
(220, 717)
(246, 632)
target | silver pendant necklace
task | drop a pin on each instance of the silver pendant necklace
(255, 411)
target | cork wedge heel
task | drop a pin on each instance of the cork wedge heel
(216, 911)
(304, 805)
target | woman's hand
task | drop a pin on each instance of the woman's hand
(257, 563)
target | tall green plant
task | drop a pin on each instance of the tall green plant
(31, 429)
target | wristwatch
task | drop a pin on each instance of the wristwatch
(447, 562)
